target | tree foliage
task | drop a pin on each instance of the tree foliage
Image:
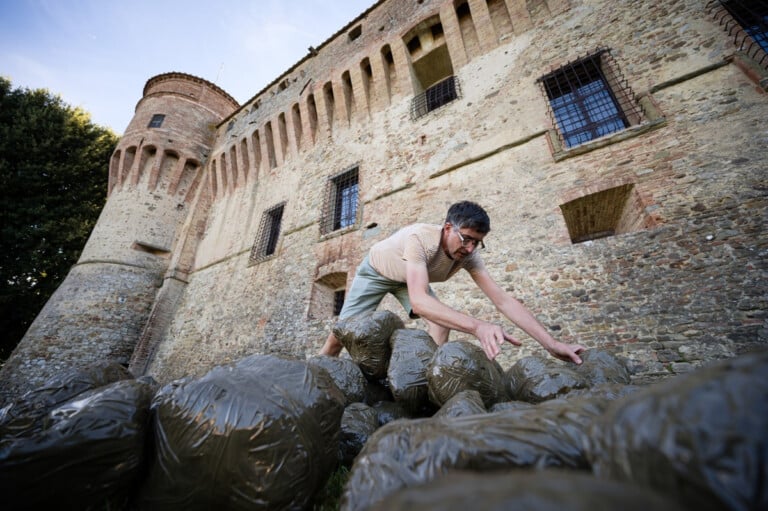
(54, 166)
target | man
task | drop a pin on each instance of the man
(405, 263)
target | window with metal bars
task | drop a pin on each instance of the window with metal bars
(341, 200)
(434, 97)
(156, 121)
(588, 98)
(752, 17)
(269, 233)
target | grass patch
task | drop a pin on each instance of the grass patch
(329, 497)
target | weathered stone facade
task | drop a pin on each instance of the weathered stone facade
(168, 279)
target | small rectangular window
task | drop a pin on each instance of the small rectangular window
(434, 97)
(269, 233)
(587, 101)
(157, 121)
(340, 208)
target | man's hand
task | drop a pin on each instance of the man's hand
(566, 352)
(491, 337)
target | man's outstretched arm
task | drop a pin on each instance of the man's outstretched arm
(491, 336)
(523, 318)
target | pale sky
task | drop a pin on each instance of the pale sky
(98, 54)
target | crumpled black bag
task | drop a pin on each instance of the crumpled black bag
(461, 365)
(702, 436)
(466, 402)
(86, 453)
(407, 373)
(547, 490)
(357, 424)
(346, 375)
(534, 379)
(366, 338)
(23, 414)
(407, 453)
(261, 433)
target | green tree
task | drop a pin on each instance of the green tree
(54, 166)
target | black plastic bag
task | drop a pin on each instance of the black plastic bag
(366, 338)
(407, 374)
(534, 379)
(86, 453)
(548, 490)
(261, 433)
(702, 436)
(461, 365)
(357, 424)
(406, 453)
(346, 375)
(466, 402)
(23, 414)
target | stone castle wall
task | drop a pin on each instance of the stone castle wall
(682, 281)
(686, 286)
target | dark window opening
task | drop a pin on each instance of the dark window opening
(414, 44)
(435, 96)
(462, 11)
(752, 15)
(338, 301)
(437, 30)
(605, 213)
(588, 100)
(157, 121)
(355, 32)
(340, 210)
(269, 233)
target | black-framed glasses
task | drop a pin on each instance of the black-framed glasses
(469, 241)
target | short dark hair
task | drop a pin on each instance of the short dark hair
(469, 215)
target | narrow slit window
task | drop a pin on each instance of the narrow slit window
(269, 233)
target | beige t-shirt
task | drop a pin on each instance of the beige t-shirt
(419, 243)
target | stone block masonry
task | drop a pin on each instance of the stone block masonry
(645, 237)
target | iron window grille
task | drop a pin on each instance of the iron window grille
(589, 98)
(269, 233)
(156, 121)
(434, 97)
(747, 22)
(341, 202)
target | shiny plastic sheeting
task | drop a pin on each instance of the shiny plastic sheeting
(261, 433)
(86, 453)
(357, 424)
(366, 338)
(535, 379)
(407, 374)
(702, 437)
(346, 375)
(461, 365)
(26, 412)
(547, 490)
(406, 453)
(466, 402)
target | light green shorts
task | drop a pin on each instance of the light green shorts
(368, 290)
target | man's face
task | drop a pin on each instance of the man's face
(459, 243)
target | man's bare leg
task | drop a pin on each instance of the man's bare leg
(332, 346)
(438, 333)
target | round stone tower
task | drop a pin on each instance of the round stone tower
(99, 311)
